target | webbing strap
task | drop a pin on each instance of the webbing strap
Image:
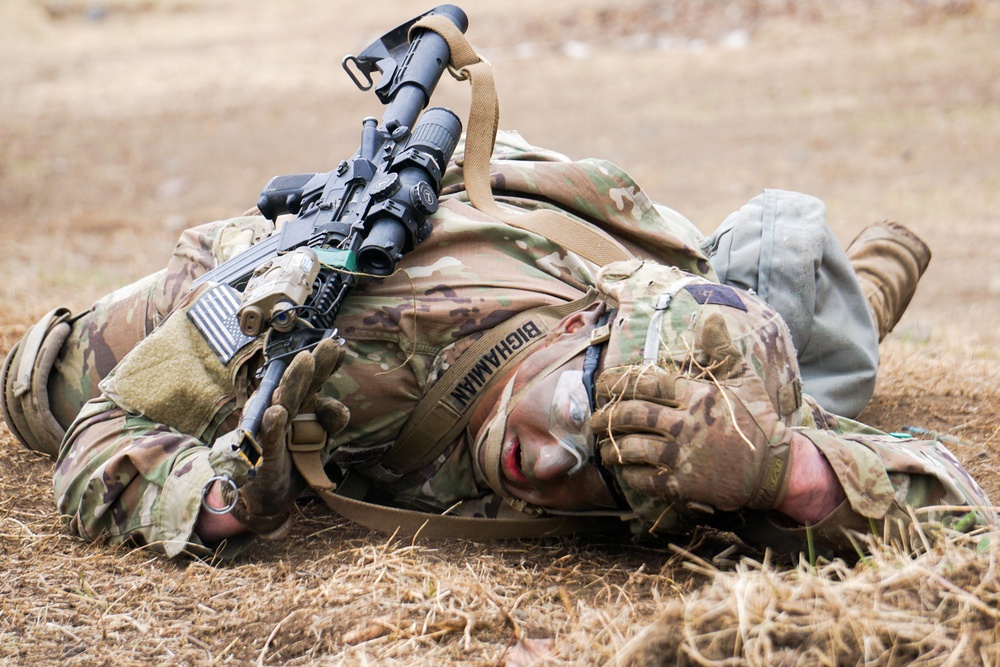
(410, 523)
(443, 414)
(347, 501)
(582, 238)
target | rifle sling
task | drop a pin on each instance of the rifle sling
(435, 423)
(574, 235)
(346, 500)
(411, 523)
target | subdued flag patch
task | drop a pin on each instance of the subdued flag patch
(214, 315)
(716, 294)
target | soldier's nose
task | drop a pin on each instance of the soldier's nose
(552, 462)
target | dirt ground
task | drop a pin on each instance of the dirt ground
(122, 122)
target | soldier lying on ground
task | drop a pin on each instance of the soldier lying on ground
(499, 375)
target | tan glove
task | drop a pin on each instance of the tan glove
(713, 438)
(265, 502)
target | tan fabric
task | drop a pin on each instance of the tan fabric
(24, 379)
(174, 377)
(888, 260)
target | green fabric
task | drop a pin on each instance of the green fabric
(172, 378)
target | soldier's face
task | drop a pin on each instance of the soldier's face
(548, 449)
(547, 453)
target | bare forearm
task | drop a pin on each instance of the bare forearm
(813, 490)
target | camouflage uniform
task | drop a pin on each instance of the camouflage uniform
(658, 337)
(136, 458)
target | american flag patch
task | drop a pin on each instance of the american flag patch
(214, 315)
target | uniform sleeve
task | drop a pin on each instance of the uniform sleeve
(884, 474)
(134, 463)
(132, 481)
(122, 473)
(889, 481)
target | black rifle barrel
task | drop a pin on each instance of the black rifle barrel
(422, 68)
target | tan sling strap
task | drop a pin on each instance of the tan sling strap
(582, 238)
(443, 414)
(411, 523)
(346, 501)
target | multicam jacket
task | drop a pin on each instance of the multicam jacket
(137, 457)
(135, 460)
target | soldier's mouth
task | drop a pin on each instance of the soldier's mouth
(512, 462)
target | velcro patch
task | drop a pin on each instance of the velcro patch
(214, 315)
(712, 293)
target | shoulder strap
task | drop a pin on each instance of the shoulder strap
(347, 501)
(410, 523)
(444, 412)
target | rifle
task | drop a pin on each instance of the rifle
(358, 219)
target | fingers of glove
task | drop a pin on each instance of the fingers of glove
(327, 357)
(650, 383)
(722, 358)
(649, 481)
(332, 414)
(294, 385)
(639, 450)
(272, 431)
(640, 416)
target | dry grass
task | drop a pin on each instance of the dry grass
(939, 608)
(332, 593)
(329, 594)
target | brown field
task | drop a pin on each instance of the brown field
(122, 122)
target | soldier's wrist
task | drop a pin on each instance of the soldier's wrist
(813, 491)
(215, 523)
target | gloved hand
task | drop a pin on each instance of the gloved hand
(711, 436)
(264, 503)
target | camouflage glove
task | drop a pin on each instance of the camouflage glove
(265, 502)
(712, 438)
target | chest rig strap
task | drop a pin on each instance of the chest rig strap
(444, 412)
